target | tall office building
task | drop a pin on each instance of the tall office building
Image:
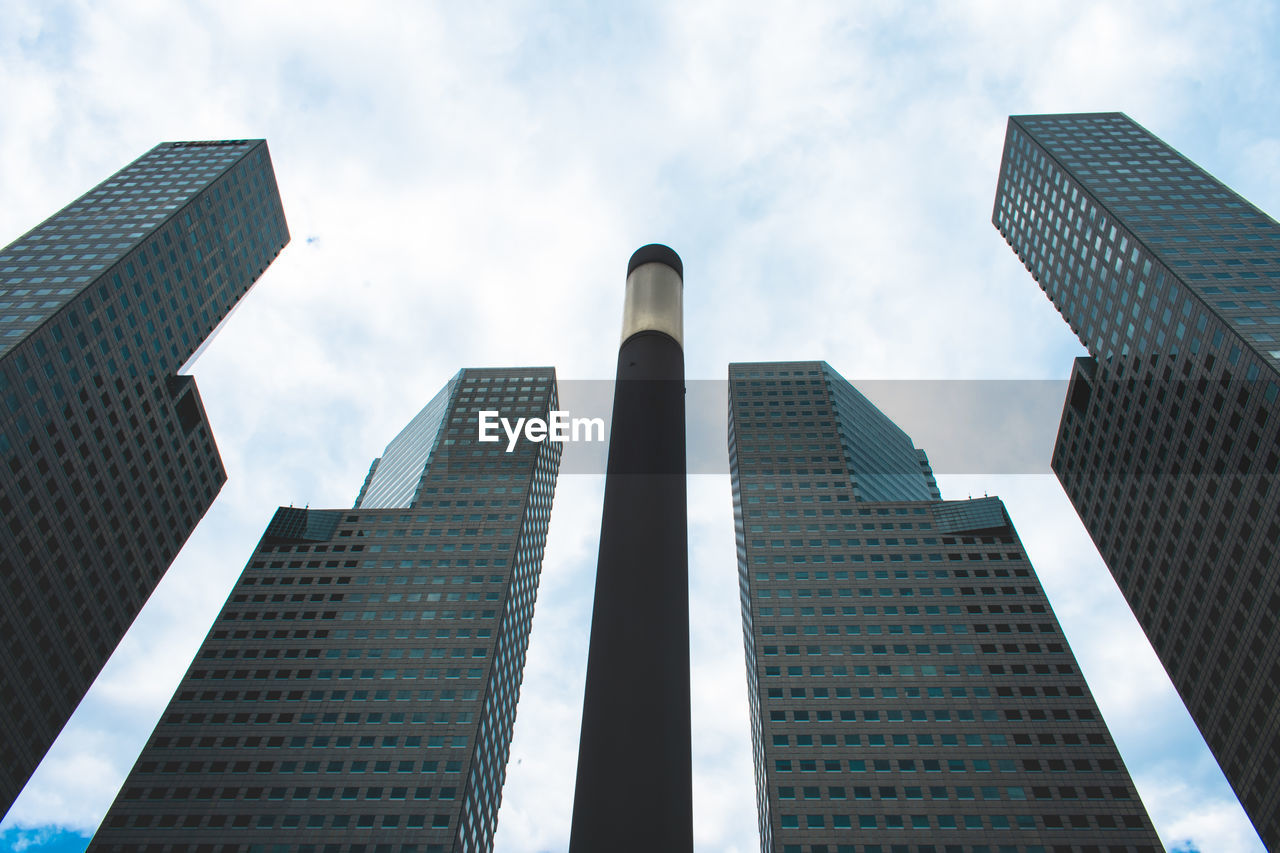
(358, 690)
(107, 462)
(1168, 445)
(910, 688)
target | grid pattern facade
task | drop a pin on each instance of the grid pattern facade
(108, 462)
(876, 450)
(395, 476)
(1138, 248)
(358, 691)
(1169, 444)
(911, 689)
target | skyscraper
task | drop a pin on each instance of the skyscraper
(1168, 446)
(910, 687)
(358, 690)
(107, 462)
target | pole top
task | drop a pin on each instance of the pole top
(656, 253)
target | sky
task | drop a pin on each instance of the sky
(464, 184)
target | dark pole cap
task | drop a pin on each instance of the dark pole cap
(656, 253)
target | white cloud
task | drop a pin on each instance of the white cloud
(1187, 817)
(475, 179)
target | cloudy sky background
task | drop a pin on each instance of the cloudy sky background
(464, 184)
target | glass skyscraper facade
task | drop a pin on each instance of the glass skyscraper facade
(395, 476)
(358, 691)
(107, 462)
(1169, 444)
(911, 690)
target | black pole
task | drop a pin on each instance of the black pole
(634, 788)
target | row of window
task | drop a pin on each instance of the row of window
(336, 674)
(1052, 691)
(854, 630)
(914, 649)
(259, 696)
(391, 598)
(953, 765)
(250, 653)
(796, 558)
(281, 768)
(904, 592)
(316, 742)
(315, 821)
(448, 792)
(929, 740)
(353, 615)
(312, 719)
(915, 610)
(894, 848)
(971, 822)
(943, 792)
(909, 671)
(849, 592)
